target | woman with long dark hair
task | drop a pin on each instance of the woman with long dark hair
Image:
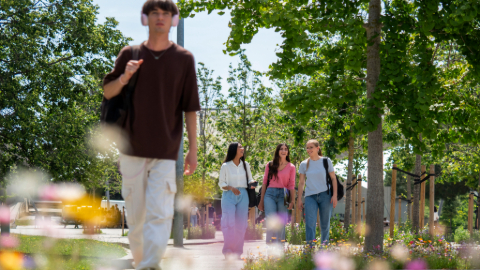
(317, 195)
(279, 175)
(235, 175)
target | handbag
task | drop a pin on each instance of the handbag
(252, 196)
(114, 111)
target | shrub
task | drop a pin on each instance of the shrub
(461, 235)
(207, 232)
(254, 231)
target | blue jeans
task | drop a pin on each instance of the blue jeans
(273, 204)
(193, 220)
(313, 203)
(234, 220)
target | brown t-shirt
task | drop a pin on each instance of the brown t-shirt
(165, 88)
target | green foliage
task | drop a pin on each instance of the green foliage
(202, 184)
(54, 56)
(199, 232)
(254, 231)
(461, 235)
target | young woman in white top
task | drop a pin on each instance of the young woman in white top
(234, 176)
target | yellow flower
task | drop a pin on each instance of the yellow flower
(420, 239)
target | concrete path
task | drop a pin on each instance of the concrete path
(107, 235)
(199, 257)
(201, 254)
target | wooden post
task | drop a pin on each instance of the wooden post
(354, 199)
(363, 209)
(432, 201)
(422, 199)
(470, 213)
(359, 199)
(393, 195)
(399, 211)
(206, 220)
(123, 220)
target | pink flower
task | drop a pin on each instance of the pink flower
(324, 260)
(417, 265)
(49, 192)
(8, 241)
(4, 214)
(411, 242)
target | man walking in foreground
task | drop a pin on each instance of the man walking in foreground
(166, 86)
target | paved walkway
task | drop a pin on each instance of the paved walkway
(198, 254)
(107, 235)
(199, 257)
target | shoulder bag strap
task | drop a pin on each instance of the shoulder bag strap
(131, 85)
(327, 176)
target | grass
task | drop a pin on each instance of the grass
(24, 222)
(69, 254)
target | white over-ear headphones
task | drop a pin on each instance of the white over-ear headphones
(175, 19)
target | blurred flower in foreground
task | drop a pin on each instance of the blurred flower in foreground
(400, 253)
(417, 264)
(104, 138)
(26, 182)
(8, 241)
(379, 265)
(274, 223)
(184, 203)
(4, 214)
(325, 260)
(10, 260)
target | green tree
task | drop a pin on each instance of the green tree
(54, 56)
(202, 184)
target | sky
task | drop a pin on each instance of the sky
(204, 37)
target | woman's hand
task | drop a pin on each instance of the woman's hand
(290, 206)
(235, 191)
(253, 187)
(261, 206)
(334, 200)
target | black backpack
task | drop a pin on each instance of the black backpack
(114, 111)
(340, 191)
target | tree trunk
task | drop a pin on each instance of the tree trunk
(348, 198)
(375, 203)
(409, 195)
(477, 223)
(416, 194)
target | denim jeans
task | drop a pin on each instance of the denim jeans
(273, 204)
(193, 220)
(313, 203)
(234, 220)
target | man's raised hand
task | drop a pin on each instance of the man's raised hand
(131, 68)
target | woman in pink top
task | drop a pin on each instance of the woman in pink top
(279, 175)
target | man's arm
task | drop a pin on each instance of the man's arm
(191, 158)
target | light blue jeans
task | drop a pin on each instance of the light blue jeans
(234, 220)
(193, 220)
(313, 203)
(273, 204)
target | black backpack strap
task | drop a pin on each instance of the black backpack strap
(131, 85)
(327, 176)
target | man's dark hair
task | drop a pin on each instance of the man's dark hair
(166, 5)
